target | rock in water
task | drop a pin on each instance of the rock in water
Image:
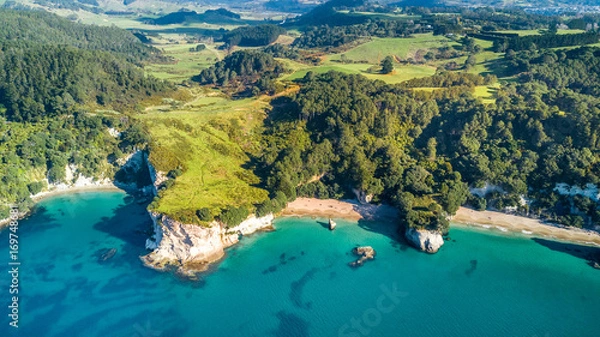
(106, 254)
(365, 253)
(426, 240)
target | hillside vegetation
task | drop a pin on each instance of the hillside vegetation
(217, 16)
(59, 86)
(204, 144)
(243, 71)
(41, 28)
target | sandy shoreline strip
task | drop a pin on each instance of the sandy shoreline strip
(59, 191)
(345, 209)
(526, 226)
(75, 189)
(494, 221)
(352, 210)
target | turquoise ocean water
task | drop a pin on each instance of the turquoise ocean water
(292, 282)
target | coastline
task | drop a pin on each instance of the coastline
(528, 227)
(85, 188)
(465, 217)
(355, 211)
(344, 209)
(107, 186)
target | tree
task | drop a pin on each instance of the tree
(134, 137)
(470, 62)
(453, 194)
(36, 187)
(204, 214)
(387, 65)
(431, 149)
(233, 216)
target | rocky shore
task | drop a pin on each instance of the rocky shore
(77, 182)
(365, 253)
(426, 240)
(191, 248)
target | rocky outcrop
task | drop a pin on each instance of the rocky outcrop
(157, 177)
(426, 240)
(362, 196)
(365, 253)
(192, 248)
(131, 168)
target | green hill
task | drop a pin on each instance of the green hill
(48, 29)
(217, 16)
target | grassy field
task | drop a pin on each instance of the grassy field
(392, 16)
(539, 32)
(400, 74)
(208, 136)
(374, 51)
(187, 64)
(486, 93)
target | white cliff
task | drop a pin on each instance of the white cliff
(426, 240)
(192, 248)
(74, 180)
(157, 177)
(589, 190)
(485, 190)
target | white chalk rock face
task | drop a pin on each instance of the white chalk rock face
(253, 224)
(426, 240)
(192, 248)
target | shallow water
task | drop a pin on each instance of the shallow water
(294, 281)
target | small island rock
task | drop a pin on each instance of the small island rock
(332, 224)
(364, 253)
(426, 240)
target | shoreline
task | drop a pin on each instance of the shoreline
(84, 188)
(499, 222)
(495, 222)
(107, 187)
(342, 209)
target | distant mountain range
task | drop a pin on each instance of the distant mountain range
(191, 10)
(166, 6)
(218, 16)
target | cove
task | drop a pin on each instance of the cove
(292, 282)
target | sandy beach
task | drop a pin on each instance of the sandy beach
(74, 189)
(502, 222)
(490, 220)
(67, 190)
(331, 208)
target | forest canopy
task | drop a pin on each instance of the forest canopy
(45, 81)
(24, 28)
(243, 70)
(52, 74)
(253, 36)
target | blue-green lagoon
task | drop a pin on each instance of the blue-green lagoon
(292, 282)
